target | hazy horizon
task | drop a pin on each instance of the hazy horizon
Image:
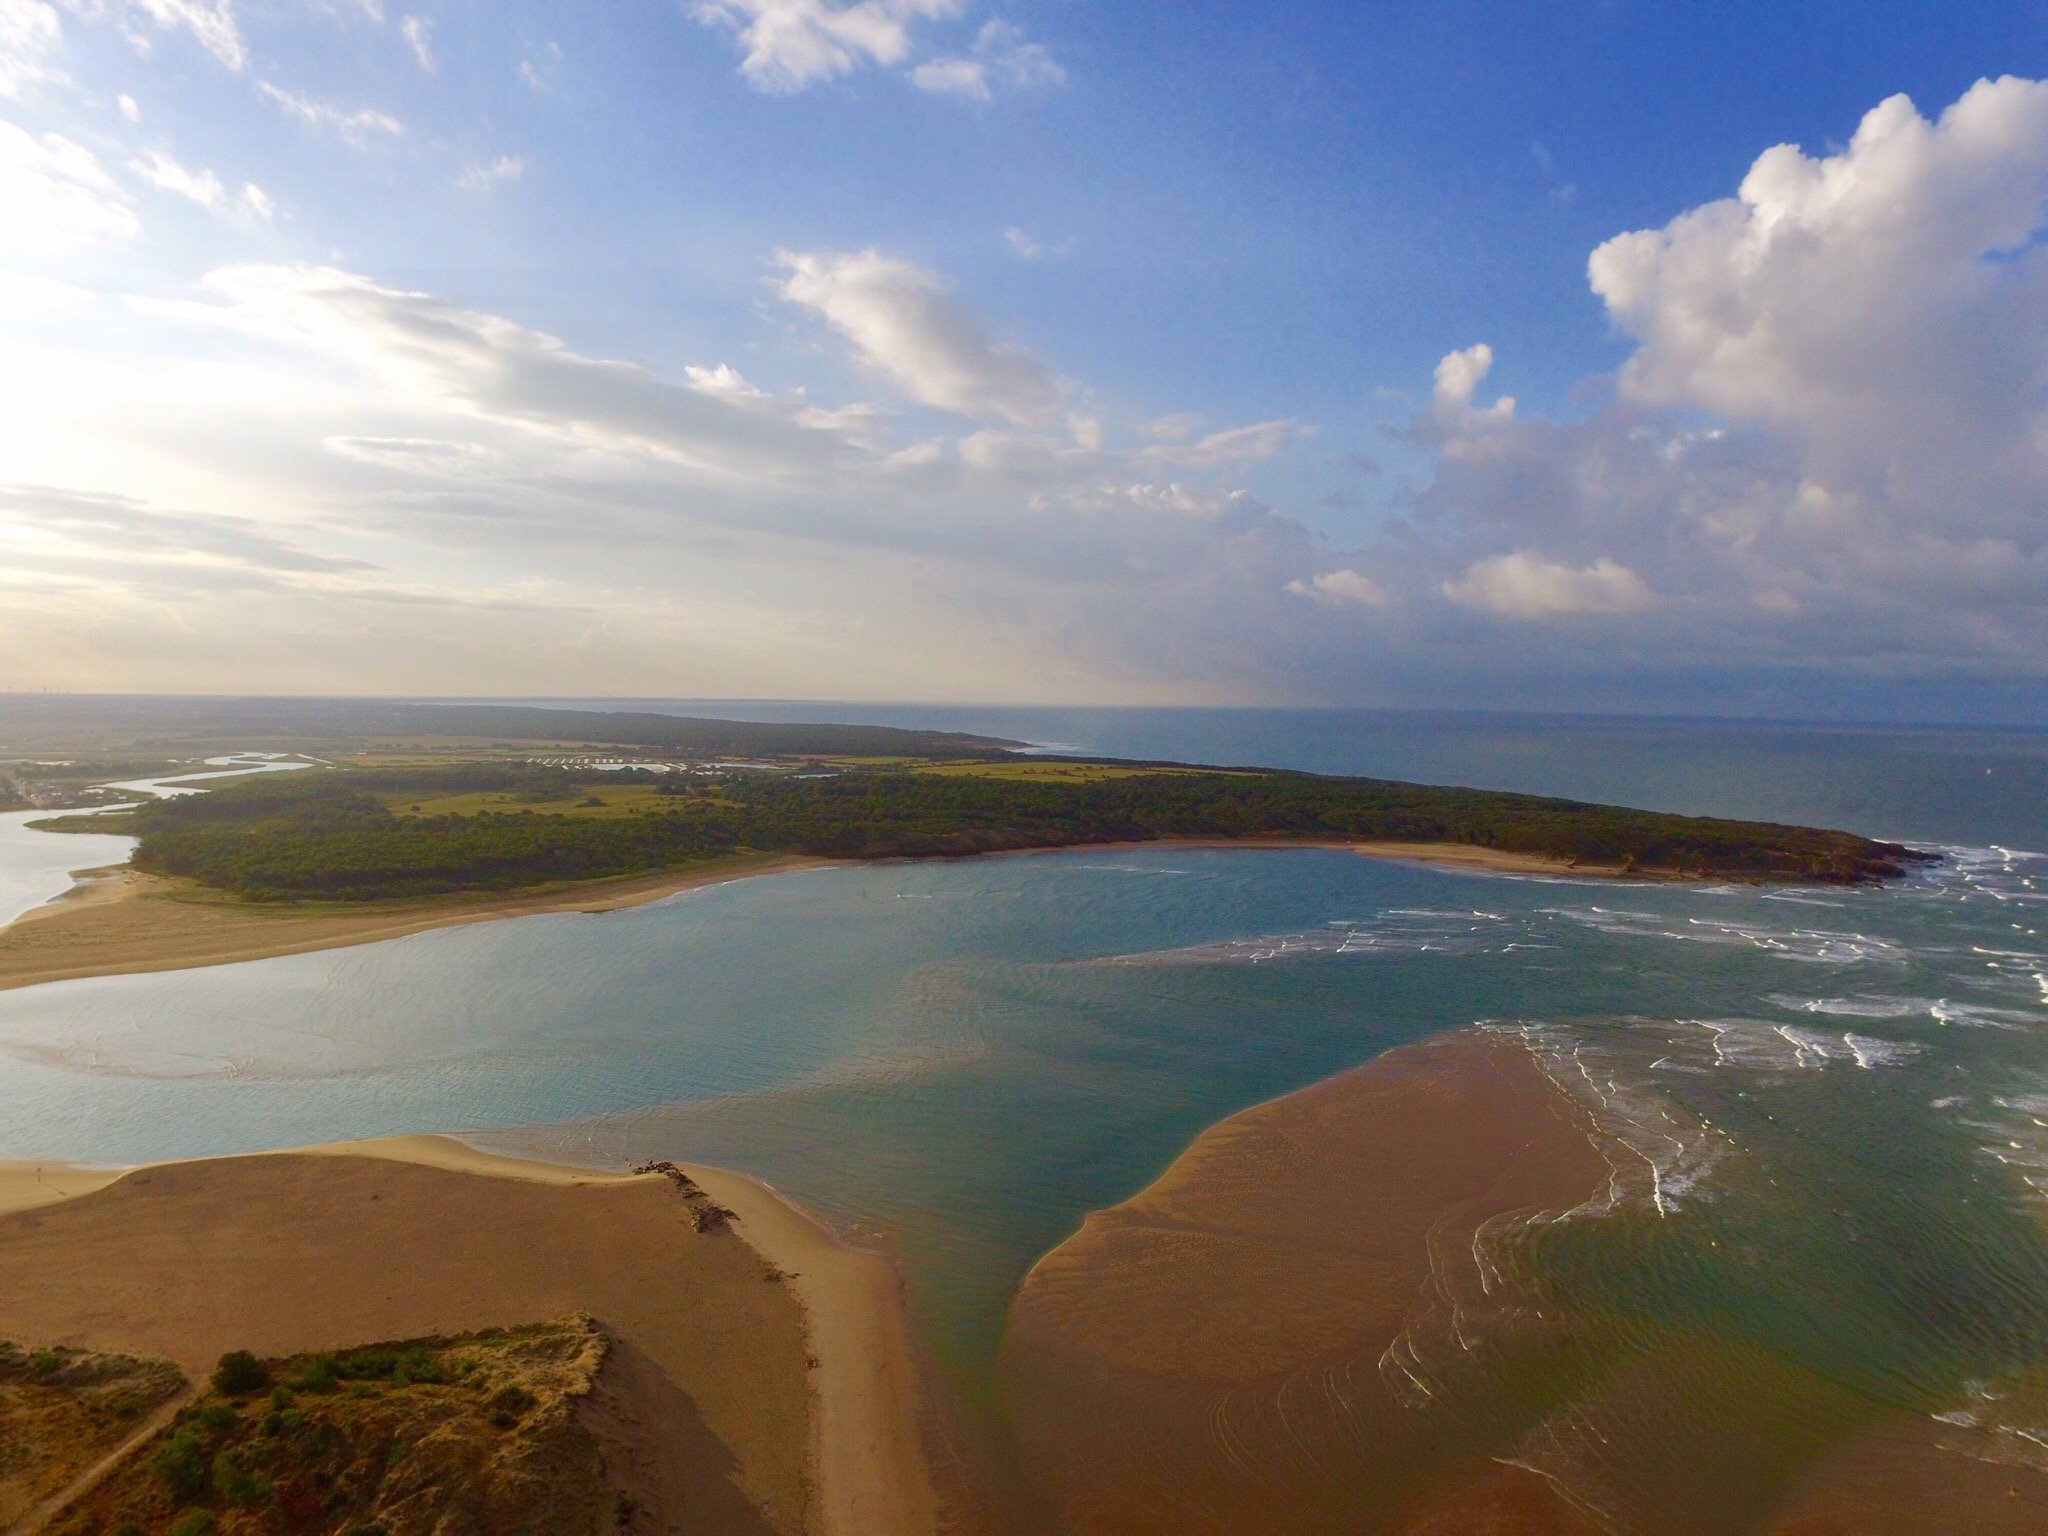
(1620, 361)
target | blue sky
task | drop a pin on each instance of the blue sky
(1053, 350)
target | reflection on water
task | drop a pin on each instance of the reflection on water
(1829, 1108)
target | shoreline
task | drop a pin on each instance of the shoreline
(127, 922)
(120, 921)
(864, 1464)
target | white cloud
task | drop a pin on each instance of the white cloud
(419, 35)
(1234, 445)
(164, 173)
(1526, 586)
(1880, 308)
(129, 110)
(449, 360)
(203, 187)
(54, 194)
(1000, 57)
(1340, 588)
(789, 44)
(904, 325)
(357, 126)
(29, 30)
(211, 22)
(1459, 375)
(1829, 446)
(481, 178)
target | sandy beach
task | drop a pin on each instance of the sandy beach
(790, 1347)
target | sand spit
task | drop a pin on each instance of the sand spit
(120, 922)
(130, 922)
(1255, 1341)
(787, 1347)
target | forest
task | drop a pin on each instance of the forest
(374, 833)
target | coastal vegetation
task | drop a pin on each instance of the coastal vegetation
(371, 833)
(490, 1431)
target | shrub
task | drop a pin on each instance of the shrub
(239, 1373)
(417, 1365)
(236, 1483)
(321, 1373)
(181, 1463)
(194, 1522)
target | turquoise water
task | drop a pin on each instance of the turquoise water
(1837, 1100)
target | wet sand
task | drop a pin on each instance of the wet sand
(1269, 1337)
(789, 1347)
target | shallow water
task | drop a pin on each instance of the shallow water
(38, 867)
(1837, 1100)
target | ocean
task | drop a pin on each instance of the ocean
(1835, 1102)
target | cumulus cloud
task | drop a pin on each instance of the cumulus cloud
(55, 194)
(1000, 57)
(1458, 378)
(786, 45)
(1828, 447)
(904, 325)
(1526, 586)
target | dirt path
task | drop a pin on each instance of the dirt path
(82, 1484)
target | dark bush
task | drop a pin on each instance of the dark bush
(320, 1373)
(236, 1483)
(239, 1373)
(181, 1462)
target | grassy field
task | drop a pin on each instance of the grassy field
(1029, 771)
(598, 801)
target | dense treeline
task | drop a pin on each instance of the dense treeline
(330, 835)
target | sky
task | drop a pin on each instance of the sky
(1605, 355)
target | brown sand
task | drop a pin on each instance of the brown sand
(132, 922)
(1263, 1338)
(292, 1252)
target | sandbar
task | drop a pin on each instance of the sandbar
(1254, 1342)
(790, 1346)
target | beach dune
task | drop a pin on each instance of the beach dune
(757, 1326)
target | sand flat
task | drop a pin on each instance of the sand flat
(285, 1253)
(1258, 1339)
